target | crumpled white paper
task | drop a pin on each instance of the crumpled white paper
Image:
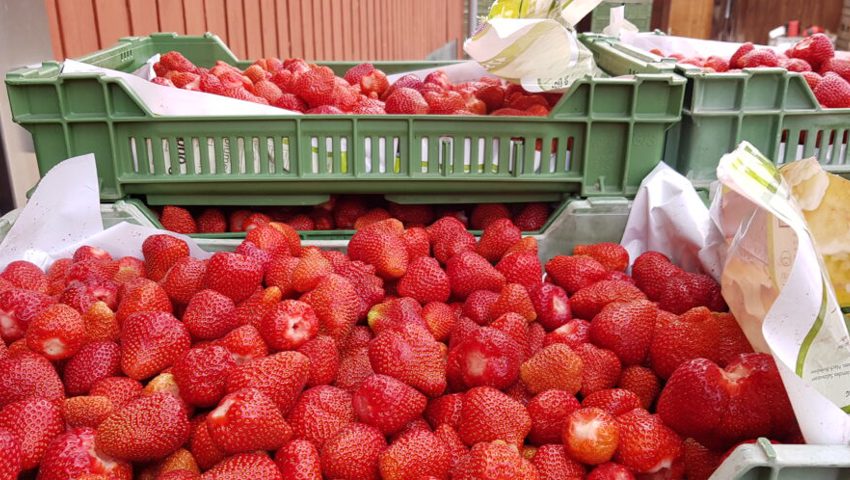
(64, 214)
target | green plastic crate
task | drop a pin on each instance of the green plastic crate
(605, 135)
(771, 108)
(638, 12)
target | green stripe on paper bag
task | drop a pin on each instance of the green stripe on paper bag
(813, 332)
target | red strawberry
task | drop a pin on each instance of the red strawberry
(369, 287)
(440, 319)
(513, 298)
(626, 329)
(129, 268)
(642, 382)
(610, 471)
(17, 309)
(553, 463)
(291, 236)
(205, 452)
(485, 213)
(700, 462)
(515, 326)
(320, 413)
(450, 437)
(836, 65)
(161, 252)
(177, 219)
(236, 276)
(212, 220)
(93, 362)
(256, 466)
(184, 279)
(347, 210)
(759, 58)
(814, 49)
(600, 368)
(449, 237)
(163, 383)
(646, 444)
(386, 403)
(532, 217)
(415, 454)
(247, 420)
(252, 310)
(352, 454)
(299, 460)
(445, 410)
(177, 62)
(717, 64)
(315, 86)
(25, 275)
(86, 411)
(279, 273)
(101, 324)
(58, 332)
(354, 367)
(141, 296)
(268, 90)
(72, 455)
(336, 303)
(419, 215)
(494, 461)
(374, 215)
(201, 374)
(412, 356)
(209, 315)
(324, 360)
(489, 414)
(523, 268)
(575, 273)
(611, 255)
(119, 390)
(735, 61)
(406, 101)
(552, 306)
(394, 314)
(591, 435)
(548, 411)
(288, 325)
(89, 271)
(10, 452)
(497, 237)
(425, 281)
(81, 296)
(492, 95)
(417, 243)
(487, 357)
(244, 344)
(477, 306)
(469, 272)
(833, 92)
(747, 401)
(381, 245)
(310, 270)
(589, 301)
(34, 423)
(269, 239)
(151, 342)
(796, 65)
(147, 428)
(556, 366)
(281, 376)
(28, 375)
(302, 222)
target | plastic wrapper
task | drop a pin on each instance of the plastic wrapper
(533, 43)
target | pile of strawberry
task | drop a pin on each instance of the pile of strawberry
(296, 85)
(350, 212)
(421, 354)
(813, 57)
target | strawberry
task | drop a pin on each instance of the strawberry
(291, 236)
(796, 65)
(181, 474)
(299, 460)
(247, 420)
(94, 361)
(444, 103)
(336, 304)
(478, 304)
(425, 281)
(100, 323)
(626, 329)
(177, 219)
(610, 471)
(833, 92)
(600, 368)
(17, 309)
(119, 390)
(256, 466)
(268, 90)
(320, 413)
(184, 279)
(553, 464)
(748, 401)
(355, 73)
(611, 255)
(88, 252)
(281, 376)
(536, 336)
(129, 268)
(368, 106)
(34, 423)
(81, 296)
(353, 453)
(416, 242)
(836, 65)
(386, 403)
(354, 367)
(515, 326)
(324, 360)
(589, 301)
(209, 315)
(140, 296)
(735, 61)
(642, 382)
(374, 215)
(485, 213)
(86, 411)
(369, 287)
(181, 460)
(513, 298)
(450, 240)
(381, 245)
(236, 219)
(469, 272)
(406, 101)
(532, 217)
(489, 415)
(201, 374)
(314, 86)
(244, 344)
(492, 95)
(161, 251)
(717, 64)
(494, 461)
(288, 325)
(575, 273)
(700, 462)
(548, 411)
(175, 61)
(440, 320)
(814, 49)
(58, 332)
(163, 383)
(646, 444)
(25, 275)
(486, 357)
(91, 271)
(233, 275)
(556, 366)
(418, 215)
(521, 267)
(279, 273)
(415, 454)
(445, 410)
(211, 220)
(144, 429)
(72, 455)
(269, 238)
(254, 308)
(412, 356)
(591, 435)
(28, 375)
(312, 267)
(450, 437)
(151, 342)
(552, 306)
(10, 452)
(395, 314)
(347, 210)
(200, 444)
